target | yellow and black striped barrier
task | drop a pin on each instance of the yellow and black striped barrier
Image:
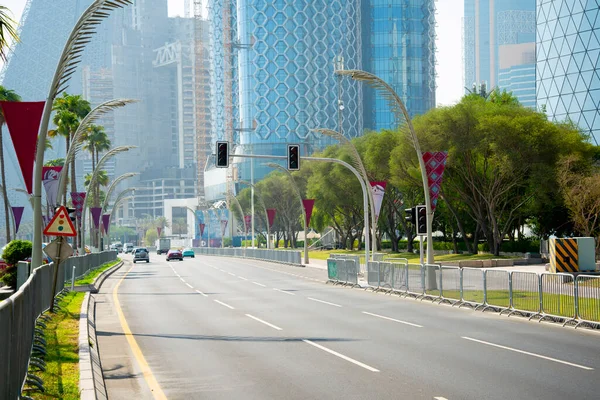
(564, 255)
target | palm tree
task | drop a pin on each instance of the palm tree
(7, 31)
(101, 180)
(5, 95)
(96, 142)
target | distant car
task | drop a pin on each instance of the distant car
(188, 253)
(174, 255)
(128, 248)
(141, 254)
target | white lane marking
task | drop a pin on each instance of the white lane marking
(231, 273)
(392, 319)
(335, 353)
(439, 398)
(190, 286)
(259, 284)
(263, 322)
(285, 291)
(224, 304)
(241, 277)
(529, 354)
(203, 294)
(324, 302)
(182, 280)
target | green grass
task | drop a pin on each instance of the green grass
(89, 278)
(412, 258)
(61, 378)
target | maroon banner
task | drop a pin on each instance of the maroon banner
(159, 230)
(96, 213)
(223, 227)
(23, 122)
(201, 226)
(17, 214)
(106, 222)
(435, 163)
(50, 176)
(308, 206)
(377, 190)
(248, 222)
(271, 216)
(78, 199)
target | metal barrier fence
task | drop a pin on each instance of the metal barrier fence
(18, 315)
(557, 297)
(342, 271)
(279, 256)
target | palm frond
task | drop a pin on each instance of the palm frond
(106, 157)
(114, 184)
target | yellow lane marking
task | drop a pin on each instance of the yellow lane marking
(135, 348)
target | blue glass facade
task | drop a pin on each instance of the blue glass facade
(568, 48)
(398, 38)
(499, 46)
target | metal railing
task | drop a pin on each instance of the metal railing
(279, 256)
(19, 335)
(557, 297)
(343, 271)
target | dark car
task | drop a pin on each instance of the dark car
(174, 255)
(141, 254)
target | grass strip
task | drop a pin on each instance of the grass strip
(61, 378)
(89, 278)
(412, 258)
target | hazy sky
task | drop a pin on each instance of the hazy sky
(449, 48)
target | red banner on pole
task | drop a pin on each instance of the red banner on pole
(271, 216)
(106, 222)
(23, 122)
(308, 206)
(248, 222)
(435, 163)
(17, 214)
(159, 230)
(201, 226)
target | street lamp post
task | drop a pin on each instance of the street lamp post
(400, 112)
(265, 208)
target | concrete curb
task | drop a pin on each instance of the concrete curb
(91, 380)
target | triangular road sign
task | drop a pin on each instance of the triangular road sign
(60, 224)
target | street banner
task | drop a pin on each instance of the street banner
(248, 222)
(23, 121)
(223, 227)
(50, 177)
(17, 214)
(106, 222)
(377, 190)
(308, 206)
(159, 230)
(78, 199)
(96, 213)
(271, 216)
(435, 163)
(201, 229)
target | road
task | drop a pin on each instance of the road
(220, 328)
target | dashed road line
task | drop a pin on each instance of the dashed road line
(284, 291)
(335, 353)
(231, 273)
(263, 322)
(190, 286)
(323, 301)
(259, 284)
(529, 353)
(242, 278)
(224, 304)
(200, 292)
(393, 319)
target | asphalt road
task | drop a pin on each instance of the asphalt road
(218, 328)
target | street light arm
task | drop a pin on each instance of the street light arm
(114, 184)
(104, 159)
(120, 198)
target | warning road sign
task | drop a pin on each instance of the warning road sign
(61, 224)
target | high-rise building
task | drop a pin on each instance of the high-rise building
(499, 46)
(568, 75)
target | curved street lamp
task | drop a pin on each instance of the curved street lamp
(279, 167)
(400, 113)
(264, 206)
(237, 202)
(70, 57)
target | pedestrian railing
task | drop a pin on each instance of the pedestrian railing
(278, 256)
(547, 296)
(341, 271)
(21, 339)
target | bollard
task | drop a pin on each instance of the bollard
(73, 279)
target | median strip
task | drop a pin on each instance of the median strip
(393, 319)
(335, 353)
(264, 322)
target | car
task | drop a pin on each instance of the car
(188, 252)
(174, 255)
(141, 254)
(128, 248)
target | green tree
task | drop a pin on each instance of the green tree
(5, 95)
(15, 251)
(8, 32)
(96, 141)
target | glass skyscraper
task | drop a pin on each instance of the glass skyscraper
(568, 48)
(499, 46)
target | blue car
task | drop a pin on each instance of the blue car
(188, 253)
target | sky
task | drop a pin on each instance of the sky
(449, 47)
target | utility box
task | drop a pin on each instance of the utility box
(572, 254)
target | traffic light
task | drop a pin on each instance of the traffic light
(70, 211)
(421, 225)
(410, 216)
(293, 157)
(222, 154)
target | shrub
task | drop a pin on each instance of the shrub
(17, 250)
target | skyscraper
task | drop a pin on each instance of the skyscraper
(499, 46)
(568, 75)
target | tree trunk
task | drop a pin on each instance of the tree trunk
(5, 191)
(459, 224)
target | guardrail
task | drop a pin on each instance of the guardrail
(19, 335)
(279, 256)
(342, 271)
(557, 297)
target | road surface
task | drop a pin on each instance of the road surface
(223, 328)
